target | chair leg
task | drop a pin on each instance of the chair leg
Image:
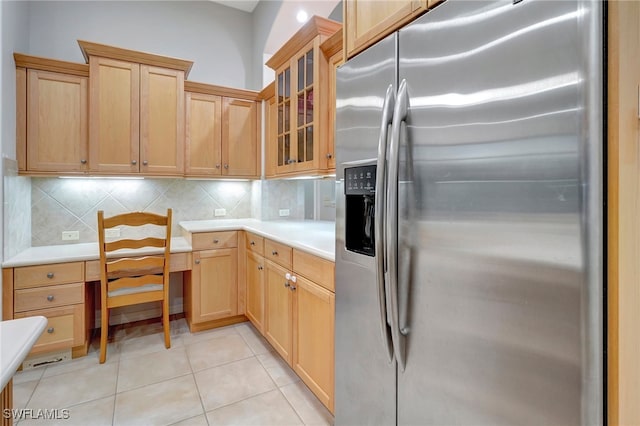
(104, 331)
(165, 323)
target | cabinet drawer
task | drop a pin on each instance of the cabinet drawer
(58, 273)
(316, 269)
(48, 297)
(65, 328)
(214, 240)
(255, 243)
(278, 253)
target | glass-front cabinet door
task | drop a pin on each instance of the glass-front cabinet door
(286, 159)
(298, 111)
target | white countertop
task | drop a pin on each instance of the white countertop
(79, 252)
(17, 337)
(311, 236)
(314, 237)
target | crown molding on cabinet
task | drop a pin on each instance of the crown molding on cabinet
(315, 26)
(95, 49)
(268, 91)
(212, 89)
(53, 65)
(333, 44)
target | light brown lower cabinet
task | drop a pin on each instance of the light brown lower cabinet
(299, 324)
(214, 285)
(313, 335)
(255, 290)
(278, 328)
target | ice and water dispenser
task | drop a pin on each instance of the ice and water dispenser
(360, 194)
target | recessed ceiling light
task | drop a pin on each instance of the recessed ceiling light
(302, 16)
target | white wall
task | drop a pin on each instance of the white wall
(14, 27)
(218, 39)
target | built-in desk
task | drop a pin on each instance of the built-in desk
(53, 281)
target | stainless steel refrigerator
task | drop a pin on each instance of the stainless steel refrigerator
(469, 230)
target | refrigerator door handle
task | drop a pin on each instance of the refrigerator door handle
(379, 217)
(399, 116)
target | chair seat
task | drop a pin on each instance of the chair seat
(134, 290)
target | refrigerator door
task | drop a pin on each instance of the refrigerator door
(503, 321)
(365, 375)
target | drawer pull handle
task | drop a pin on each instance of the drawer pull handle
(50, 275)
(226, 166)
(145, 163)
(134, 162)
(216, 241)
(50, 330)
(83, 161)
(50, 298)
(197, 261)
(275, 253)
(253, 243)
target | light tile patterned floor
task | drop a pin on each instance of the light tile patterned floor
(226, 376)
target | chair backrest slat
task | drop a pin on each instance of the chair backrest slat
(142, 265)
(134, 244)
(133, 282)
(135, 219)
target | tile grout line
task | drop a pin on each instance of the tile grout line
(193, 376)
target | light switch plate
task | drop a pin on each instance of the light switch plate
(70, 235)
(220, 212)
(284, 212)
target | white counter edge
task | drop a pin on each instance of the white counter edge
(17, 337)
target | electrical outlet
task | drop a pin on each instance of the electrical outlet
(284, 212)
(111, 233)
(220, 212)
(70, 235)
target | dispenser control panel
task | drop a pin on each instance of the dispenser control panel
(360, 180)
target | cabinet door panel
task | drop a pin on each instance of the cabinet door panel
(278, 311)
(57, 121)
(239, 138)
(203, 135)
(161, 120)
(369, 21)
(114, 111)
(215, 286)
(313, 358)
(255, 290)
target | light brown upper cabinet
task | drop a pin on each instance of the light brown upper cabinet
(301, 100)
(136, 111)
(270, 118)
(221, 131)
(368, 21)
(332, 49)
(51, 112)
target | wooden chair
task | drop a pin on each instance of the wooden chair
(129, 279)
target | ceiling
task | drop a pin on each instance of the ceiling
(246, 5)
(285, 23)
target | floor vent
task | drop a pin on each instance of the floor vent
(49, 358)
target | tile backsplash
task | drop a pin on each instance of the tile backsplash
(59, 205)
(17, 210)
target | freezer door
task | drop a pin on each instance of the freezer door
(503, 324)
(365, 377)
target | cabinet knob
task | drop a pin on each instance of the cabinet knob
(253, 243)
(286, 283)
(292, 287)
(216, 241)
(134, 162)
(291, 161)
(50, 275)
(217, 166)
(83, 161)
(50, 298)
(50, 330)
(197, 261)
(226, 166)
(145, 162)
(260, 268)
(274, 253)
(329, 156)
